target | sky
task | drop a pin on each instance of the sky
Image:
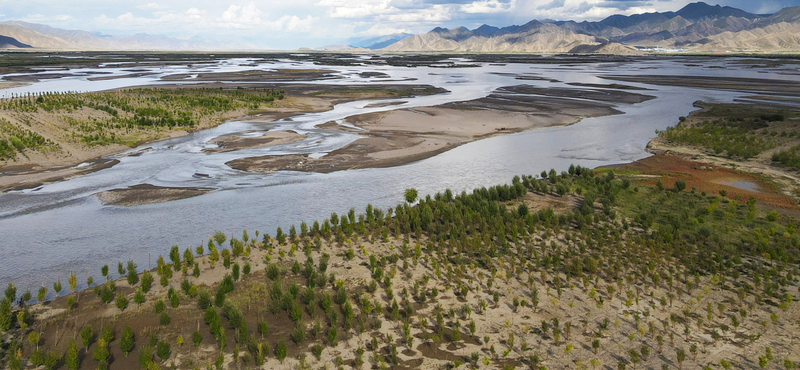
(291, 24)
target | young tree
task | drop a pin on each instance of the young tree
(41, 295)
(681, 354)
(411, 195)
(57, 287)
(73, 281)
(71, 359)
(127, 341)
(6, 317)
(281, 350)
(86, 336)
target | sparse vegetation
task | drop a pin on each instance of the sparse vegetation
(618, 266)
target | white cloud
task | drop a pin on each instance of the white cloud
(382, 29)
(293, 23)
(434, 14)
(242, 17)
(195, 14)
(488, 6)
(152, 6)
(357, 8)
(47, 18)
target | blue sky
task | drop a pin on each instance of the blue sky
(290, 24)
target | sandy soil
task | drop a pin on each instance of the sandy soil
(31, 176)
(8, 85)
(406, 135)
(258, 76)
(724, 83)
(232, 142)
(640, 318)
(147, 194)
(131, 75)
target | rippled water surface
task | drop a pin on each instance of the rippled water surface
(62, 227)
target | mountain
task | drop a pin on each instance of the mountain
(41, 36)
(695, 27)
(11, 43)
(533, 37)
(377, 42)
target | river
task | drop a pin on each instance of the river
(52, 230)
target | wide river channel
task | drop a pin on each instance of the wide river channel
(49, 231)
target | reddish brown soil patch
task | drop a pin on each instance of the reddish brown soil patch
(708, 178)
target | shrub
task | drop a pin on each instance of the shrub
(281, 350)
(162, 349)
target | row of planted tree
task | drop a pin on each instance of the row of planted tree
(619, 274)
(117, 117)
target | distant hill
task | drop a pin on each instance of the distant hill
(377, 42)
(696, 27)
(11, 43)
(17, 34)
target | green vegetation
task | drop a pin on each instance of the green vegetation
(16, 139)
(789, 157)
(121, 117)
(735, 137)
(619, 268)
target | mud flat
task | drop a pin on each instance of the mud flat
(783, 87)
(406, 135)
(147, 194)
(233, 142)
(258, 76)
(32, 176)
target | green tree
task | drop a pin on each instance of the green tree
(101, 351)
(681, 354)
(147, 281)
(86, 336)
(6, 317)
(72, 281)
(162, 350)
(41, 295)
(281, 350)
(139, 297)
(57, 287)
(122, 302)
(411, 195)
(127, 341)
(133, 276)
(71, 359)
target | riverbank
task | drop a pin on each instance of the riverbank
(380, 289)
(67, 157)
(772, 185)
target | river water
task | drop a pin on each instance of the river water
(52, 230)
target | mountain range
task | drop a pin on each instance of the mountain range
(695, 27)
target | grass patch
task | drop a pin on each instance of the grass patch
(734, 130)
(16, 139)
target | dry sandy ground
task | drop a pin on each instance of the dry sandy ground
(147, 194)
(403, 136)
(406, 135)
(72, 158)
(232, 142)
(629, 323)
